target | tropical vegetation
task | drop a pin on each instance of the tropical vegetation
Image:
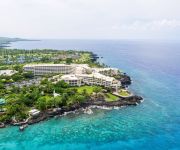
(23, 91)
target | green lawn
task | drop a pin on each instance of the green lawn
(89, 89)
(110, 97)
(124, 93)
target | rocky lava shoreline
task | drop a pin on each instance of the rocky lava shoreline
(98, 103)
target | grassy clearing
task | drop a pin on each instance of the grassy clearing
(89, 89)
(124, 93)
(110, 97)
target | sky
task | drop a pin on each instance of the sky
(90, 19)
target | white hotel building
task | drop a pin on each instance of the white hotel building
(43, 69)
(89, 79)
(76, 74)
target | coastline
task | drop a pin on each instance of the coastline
(132, 100)
(99, 104)
(127, 127)
(7, 41)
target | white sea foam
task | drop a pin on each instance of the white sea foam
(115, 107)
(69, 112)
(142, 100)
(137, 103)
(101, 107)
(88, 111)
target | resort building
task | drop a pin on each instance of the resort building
(99, 79)
(72, 80)
(7, 72)
(90, 79)
(42, 69)
(77, 74)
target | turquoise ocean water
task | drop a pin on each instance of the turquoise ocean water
(154, 124)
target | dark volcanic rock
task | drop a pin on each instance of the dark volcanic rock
(125, 80)
(133, 100)
(42, 117)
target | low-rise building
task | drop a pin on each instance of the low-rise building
(72, 80)
(91, 79)
(7, 72)
(99, 79)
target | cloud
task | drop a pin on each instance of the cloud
(150, 25)
(89, 18)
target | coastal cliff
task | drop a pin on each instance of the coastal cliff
(129, 101)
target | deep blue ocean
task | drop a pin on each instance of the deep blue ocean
(153, 125)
